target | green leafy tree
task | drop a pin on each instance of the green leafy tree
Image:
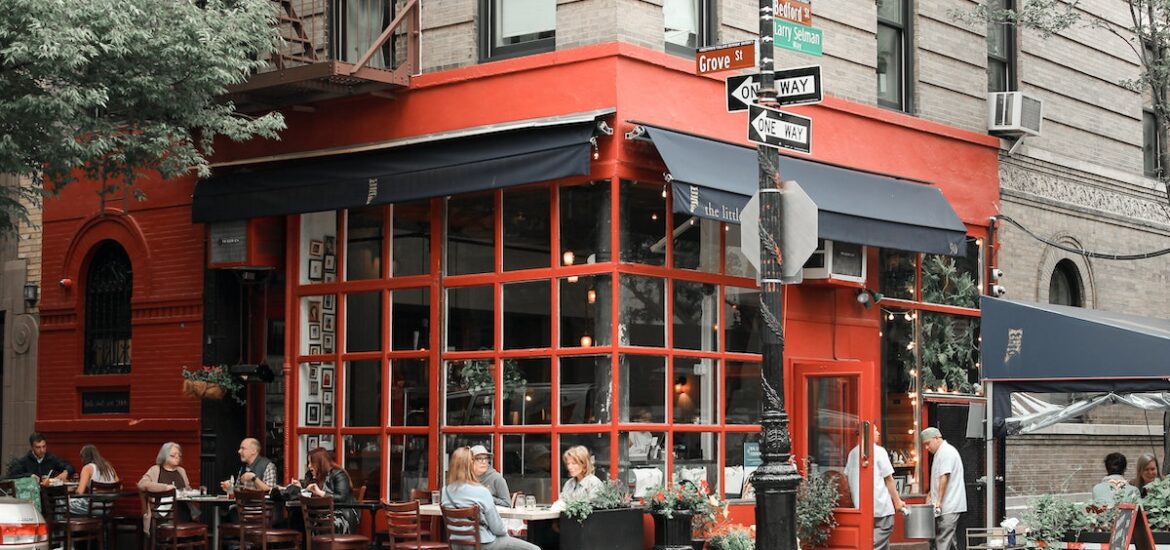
(1146, 32)
(115, 90)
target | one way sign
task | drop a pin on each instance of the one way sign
(795, 86)
(774, 128)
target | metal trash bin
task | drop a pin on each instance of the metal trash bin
(919, 522)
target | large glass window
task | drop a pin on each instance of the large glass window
(1064, 288)
(363, 318)
(470, 319)
(410, 320)
(743, 320)
(686, 23)
(408, 465)
(409, 397)
(643, 389)
(363, 393)
(597, 443)
(363, 463)
(743, 393)
(892, 68)
(585, 388)
(696, 316)
(696, 243)
(527, 320)
(952, 280)
(741, 458)
(527, 464)
(108, 287)
(696, 458)
(528, 391)
(1001, 49)
(1151, 144)
(471, 392)
(898, 277)
(737, 263)
(950, 352)
(585, 223)
(411, 245)
(363, 234)
(471, 236)
(643, 309)
(642, 460)
(585, 310)
(695, 390)
(527, 230)
(643, 223)
(518, 27)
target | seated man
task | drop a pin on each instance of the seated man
(1114, 488)
(40, 462)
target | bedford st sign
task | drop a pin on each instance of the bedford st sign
(726, 57)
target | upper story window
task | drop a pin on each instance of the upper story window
(1151, 144)
(108, 287)
(893, 36)
(1065, 286)
(688, 25)
(1001, 50)
(518, 27)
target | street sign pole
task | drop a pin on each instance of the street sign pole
(776, 480)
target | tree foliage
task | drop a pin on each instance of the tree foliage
(113, 90)
(1146, 31)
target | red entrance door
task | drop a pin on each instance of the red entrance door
(833, 416)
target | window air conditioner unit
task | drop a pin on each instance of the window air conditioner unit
(1014, 114)
(835, 261)
(246, 244)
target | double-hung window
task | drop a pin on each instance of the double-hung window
(893, 67)
(1001, 50)
(518, 27)
(687, 25)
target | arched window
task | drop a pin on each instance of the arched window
(1065, 286)
(108, 287)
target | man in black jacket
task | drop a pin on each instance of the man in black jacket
(40, 462)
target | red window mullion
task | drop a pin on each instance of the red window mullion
(615, 312)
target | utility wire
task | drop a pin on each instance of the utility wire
(1081, 251)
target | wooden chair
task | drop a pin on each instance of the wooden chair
(320, 531)
(64, 527)
(462, 526)
(430, 528)
(116, 522)
(165, 530)
(255, 526)
(404, 524)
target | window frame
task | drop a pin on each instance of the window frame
(905, 33)
(1010, 59)
(1150, 156)
(707, 29)
(488, 51)
(106, 255)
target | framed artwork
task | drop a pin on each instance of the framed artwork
(315, 270)
(327, 415)
(316, 248)
(328, 304)
(327, 343)
(330, 244)
(315, 332)
(327, 398)
(314, 388)
(314, 311)
(327, 322)
(327, 378)
(900, 484)
(330, 263)
(312, 442)
(314, 349)
(313, 372)
(312, 414)
(331, 277)
(327, 442)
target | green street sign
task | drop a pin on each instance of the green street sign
(798, 38)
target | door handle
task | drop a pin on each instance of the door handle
(866, 433)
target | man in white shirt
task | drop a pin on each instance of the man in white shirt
(948, 493)
(886, 500)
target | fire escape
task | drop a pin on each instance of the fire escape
(336, 48)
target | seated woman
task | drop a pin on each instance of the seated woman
(96, 469)
(581, 483)
(168, 474)
(1147, 472)
(328, 478)
(464, 490)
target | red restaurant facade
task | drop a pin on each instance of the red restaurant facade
(518, 254)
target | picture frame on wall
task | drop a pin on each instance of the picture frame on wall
(312, 414)
(327, 442)
(327, 322)
(327, 416)
(314, 388)
(327, 378)
(315, 332)
(328, 302)
(316, 248)
(314, 349)
(330, 263)
(313, 372)
(312, 442)
(314, 311)
(330, 244)
(316, 270)
(330, 277)
(327, 398)
(327, 343)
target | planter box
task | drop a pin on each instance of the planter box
(672, 533)
(619, 529)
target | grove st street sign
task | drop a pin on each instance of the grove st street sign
(726, 57)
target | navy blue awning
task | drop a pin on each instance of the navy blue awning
(714, 179)
(411, 170)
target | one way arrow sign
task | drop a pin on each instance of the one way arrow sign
(774, 128)
(795, 86)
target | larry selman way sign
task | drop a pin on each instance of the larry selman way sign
(774, 128)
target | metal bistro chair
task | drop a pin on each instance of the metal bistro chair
(165, 530)
(404, 524)
(255, 525)
(462, 526)
(319, 529)
(64, 527)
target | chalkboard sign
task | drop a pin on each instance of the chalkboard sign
(1131, 520)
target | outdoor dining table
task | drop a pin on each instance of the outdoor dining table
(214, 501)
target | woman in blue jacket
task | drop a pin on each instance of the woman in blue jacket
(463, 490)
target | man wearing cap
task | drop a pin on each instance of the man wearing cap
(947, 491)
(886, 500)
(489, 477)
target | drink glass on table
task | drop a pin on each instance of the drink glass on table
(530, 502)
(436, 497)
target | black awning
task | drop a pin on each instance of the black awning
(1024, 341)
(432, 168)
(714, 179)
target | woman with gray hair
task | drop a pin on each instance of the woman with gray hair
(167, 474)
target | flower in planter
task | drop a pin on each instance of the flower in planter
(611, 496)
(732, 537)
(218, 375)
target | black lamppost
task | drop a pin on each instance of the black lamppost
(776, 480)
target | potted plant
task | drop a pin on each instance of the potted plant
(815, 499)
(211, 382)
(606, 520)
(1050, 518)
(1156, 504)
(681, 510)
(731, 537)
